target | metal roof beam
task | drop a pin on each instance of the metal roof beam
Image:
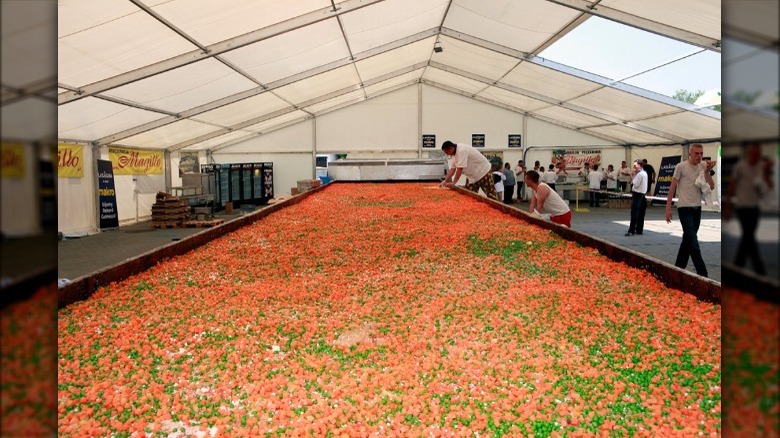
(655, 27)
(485, 44)
(213, 50)
(582, 74)
(38, 89)
(551, 101)
(268, 87)
(641, 92)
(522, 111)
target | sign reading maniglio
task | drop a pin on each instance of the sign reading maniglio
(135, 161)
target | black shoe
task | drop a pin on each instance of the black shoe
(639, 233)
(629, 234)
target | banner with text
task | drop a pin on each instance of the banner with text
(573, 160)
(109, 215)
(663, 179)
(11, 160)
(70, 161)
(135, 161)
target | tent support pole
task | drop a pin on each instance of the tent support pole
(314, 147)
(95, 188)
(419, 120)
(168, 173)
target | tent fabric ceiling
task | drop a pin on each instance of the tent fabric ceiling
(205, 74)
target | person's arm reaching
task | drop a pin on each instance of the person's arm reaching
(708, 177)
(457, 172)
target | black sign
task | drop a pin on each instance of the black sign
(514, 140)
(429, 141)
(663, 178)
(109, 216)
(478, 140)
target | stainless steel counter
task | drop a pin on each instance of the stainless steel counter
(388, 170)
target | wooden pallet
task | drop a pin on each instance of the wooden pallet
(203, 224)
(172, 207)
(167, 224)
(170, 217)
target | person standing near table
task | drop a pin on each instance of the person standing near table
(550, 177)
(624, 176)
(520, 178)
(612, 176)
(473, 165)
(498, 181)
(545, 200)
(509, 183)
(638, 201)
(689, 206)
(594, 185)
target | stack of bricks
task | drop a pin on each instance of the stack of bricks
(619, 202)
(305, 185)
(169, 211)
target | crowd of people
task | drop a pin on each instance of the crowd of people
(691, 184)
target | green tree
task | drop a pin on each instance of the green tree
(691, 96)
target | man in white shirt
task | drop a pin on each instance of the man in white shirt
(612, 175)
(470, 163)
(638, 200)
(624, 176)
(594, 184)
(546, 200)
(689, 206)
(751, 180)
(550, 177)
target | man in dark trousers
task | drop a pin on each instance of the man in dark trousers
(689, 205)
(638, 200)
(509, 184)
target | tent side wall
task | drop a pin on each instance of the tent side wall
(388, 126)
(77, 201)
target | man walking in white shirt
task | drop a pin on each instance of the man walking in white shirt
(689, 206)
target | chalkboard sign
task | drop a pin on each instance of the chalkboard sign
(515, 140)
(428, 141)
(478, 140)
(109, 216)
(663, 180)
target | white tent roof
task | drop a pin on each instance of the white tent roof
(205, 74)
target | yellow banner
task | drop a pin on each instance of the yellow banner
(135, 161)
(11, 160)
(70, 161)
